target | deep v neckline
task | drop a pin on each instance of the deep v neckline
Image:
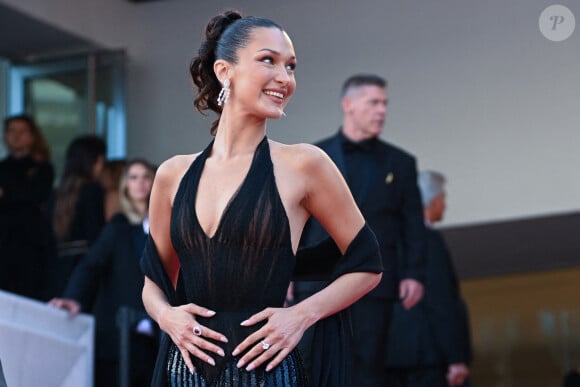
(232, 199)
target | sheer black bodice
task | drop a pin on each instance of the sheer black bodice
(243, 268)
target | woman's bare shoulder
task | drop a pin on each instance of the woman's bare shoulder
(301, 156)
(175, 166)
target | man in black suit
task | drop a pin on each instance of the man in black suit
(430, 344)
(383, 181)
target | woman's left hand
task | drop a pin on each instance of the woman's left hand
(274, 341)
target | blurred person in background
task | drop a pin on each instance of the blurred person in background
(110, 178)
(78, 213)
(383, 180)
(109, 277)
(430, 345)
(26, 178)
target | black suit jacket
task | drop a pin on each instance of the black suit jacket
(26, 245)
(108, 277)
(391, 205)
(435, 331)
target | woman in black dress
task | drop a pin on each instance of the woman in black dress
(226, 222)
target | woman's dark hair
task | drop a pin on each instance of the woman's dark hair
(40, 149)
(82, 155)
(225, 34)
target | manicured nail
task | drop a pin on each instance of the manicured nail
(244, 322)
(240, 364)
(269, 368)
(221, 353)
(236, 351)
(224, 339)
(191, 370)
(250, 367)
(210, 312)
(210, 361)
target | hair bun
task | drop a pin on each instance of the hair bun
(218, 24)
(213, 31)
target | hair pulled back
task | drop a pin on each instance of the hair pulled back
(225, 34)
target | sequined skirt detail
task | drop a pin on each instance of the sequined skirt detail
(289, 373)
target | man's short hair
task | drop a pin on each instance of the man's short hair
(359, 80)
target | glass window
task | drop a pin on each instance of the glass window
(73, 96)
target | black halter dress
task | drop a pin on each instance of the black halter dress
(244, 267)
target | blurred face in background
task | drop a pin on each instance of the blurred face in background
(98, 167)
(139, 182)
(365, 111)
(437, 208)
(18, 138)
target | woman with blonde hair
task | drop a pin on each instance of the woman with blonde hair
(109, 278)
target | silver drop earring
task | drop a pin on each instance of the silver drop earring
(224, 93)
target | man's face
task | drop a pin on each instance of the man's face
(366, 109)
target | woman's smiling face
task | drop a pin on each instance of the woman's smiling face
(262, 80)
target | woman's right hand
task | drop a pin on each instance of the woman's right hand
(190, 336)
(73, 306)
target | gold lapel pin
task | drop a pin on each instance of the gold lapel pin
(389, 178)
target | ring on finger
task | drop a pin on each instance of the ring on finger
(197, 330)
(265, 345)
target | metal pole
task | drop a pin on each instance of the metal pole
(125, 318)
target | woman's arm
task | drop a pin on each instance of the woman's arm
(329, 200)
(177, 321)
(325, 196)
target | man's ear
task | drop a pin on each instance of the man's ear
(345, 103)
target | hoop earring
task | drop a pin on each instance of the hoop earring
(224, 93)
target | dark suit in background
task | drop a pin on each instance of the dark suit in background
(26, 245)
(385, 190)
(425, 340)
(430, 344)
(109, 277)
(383, 182)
